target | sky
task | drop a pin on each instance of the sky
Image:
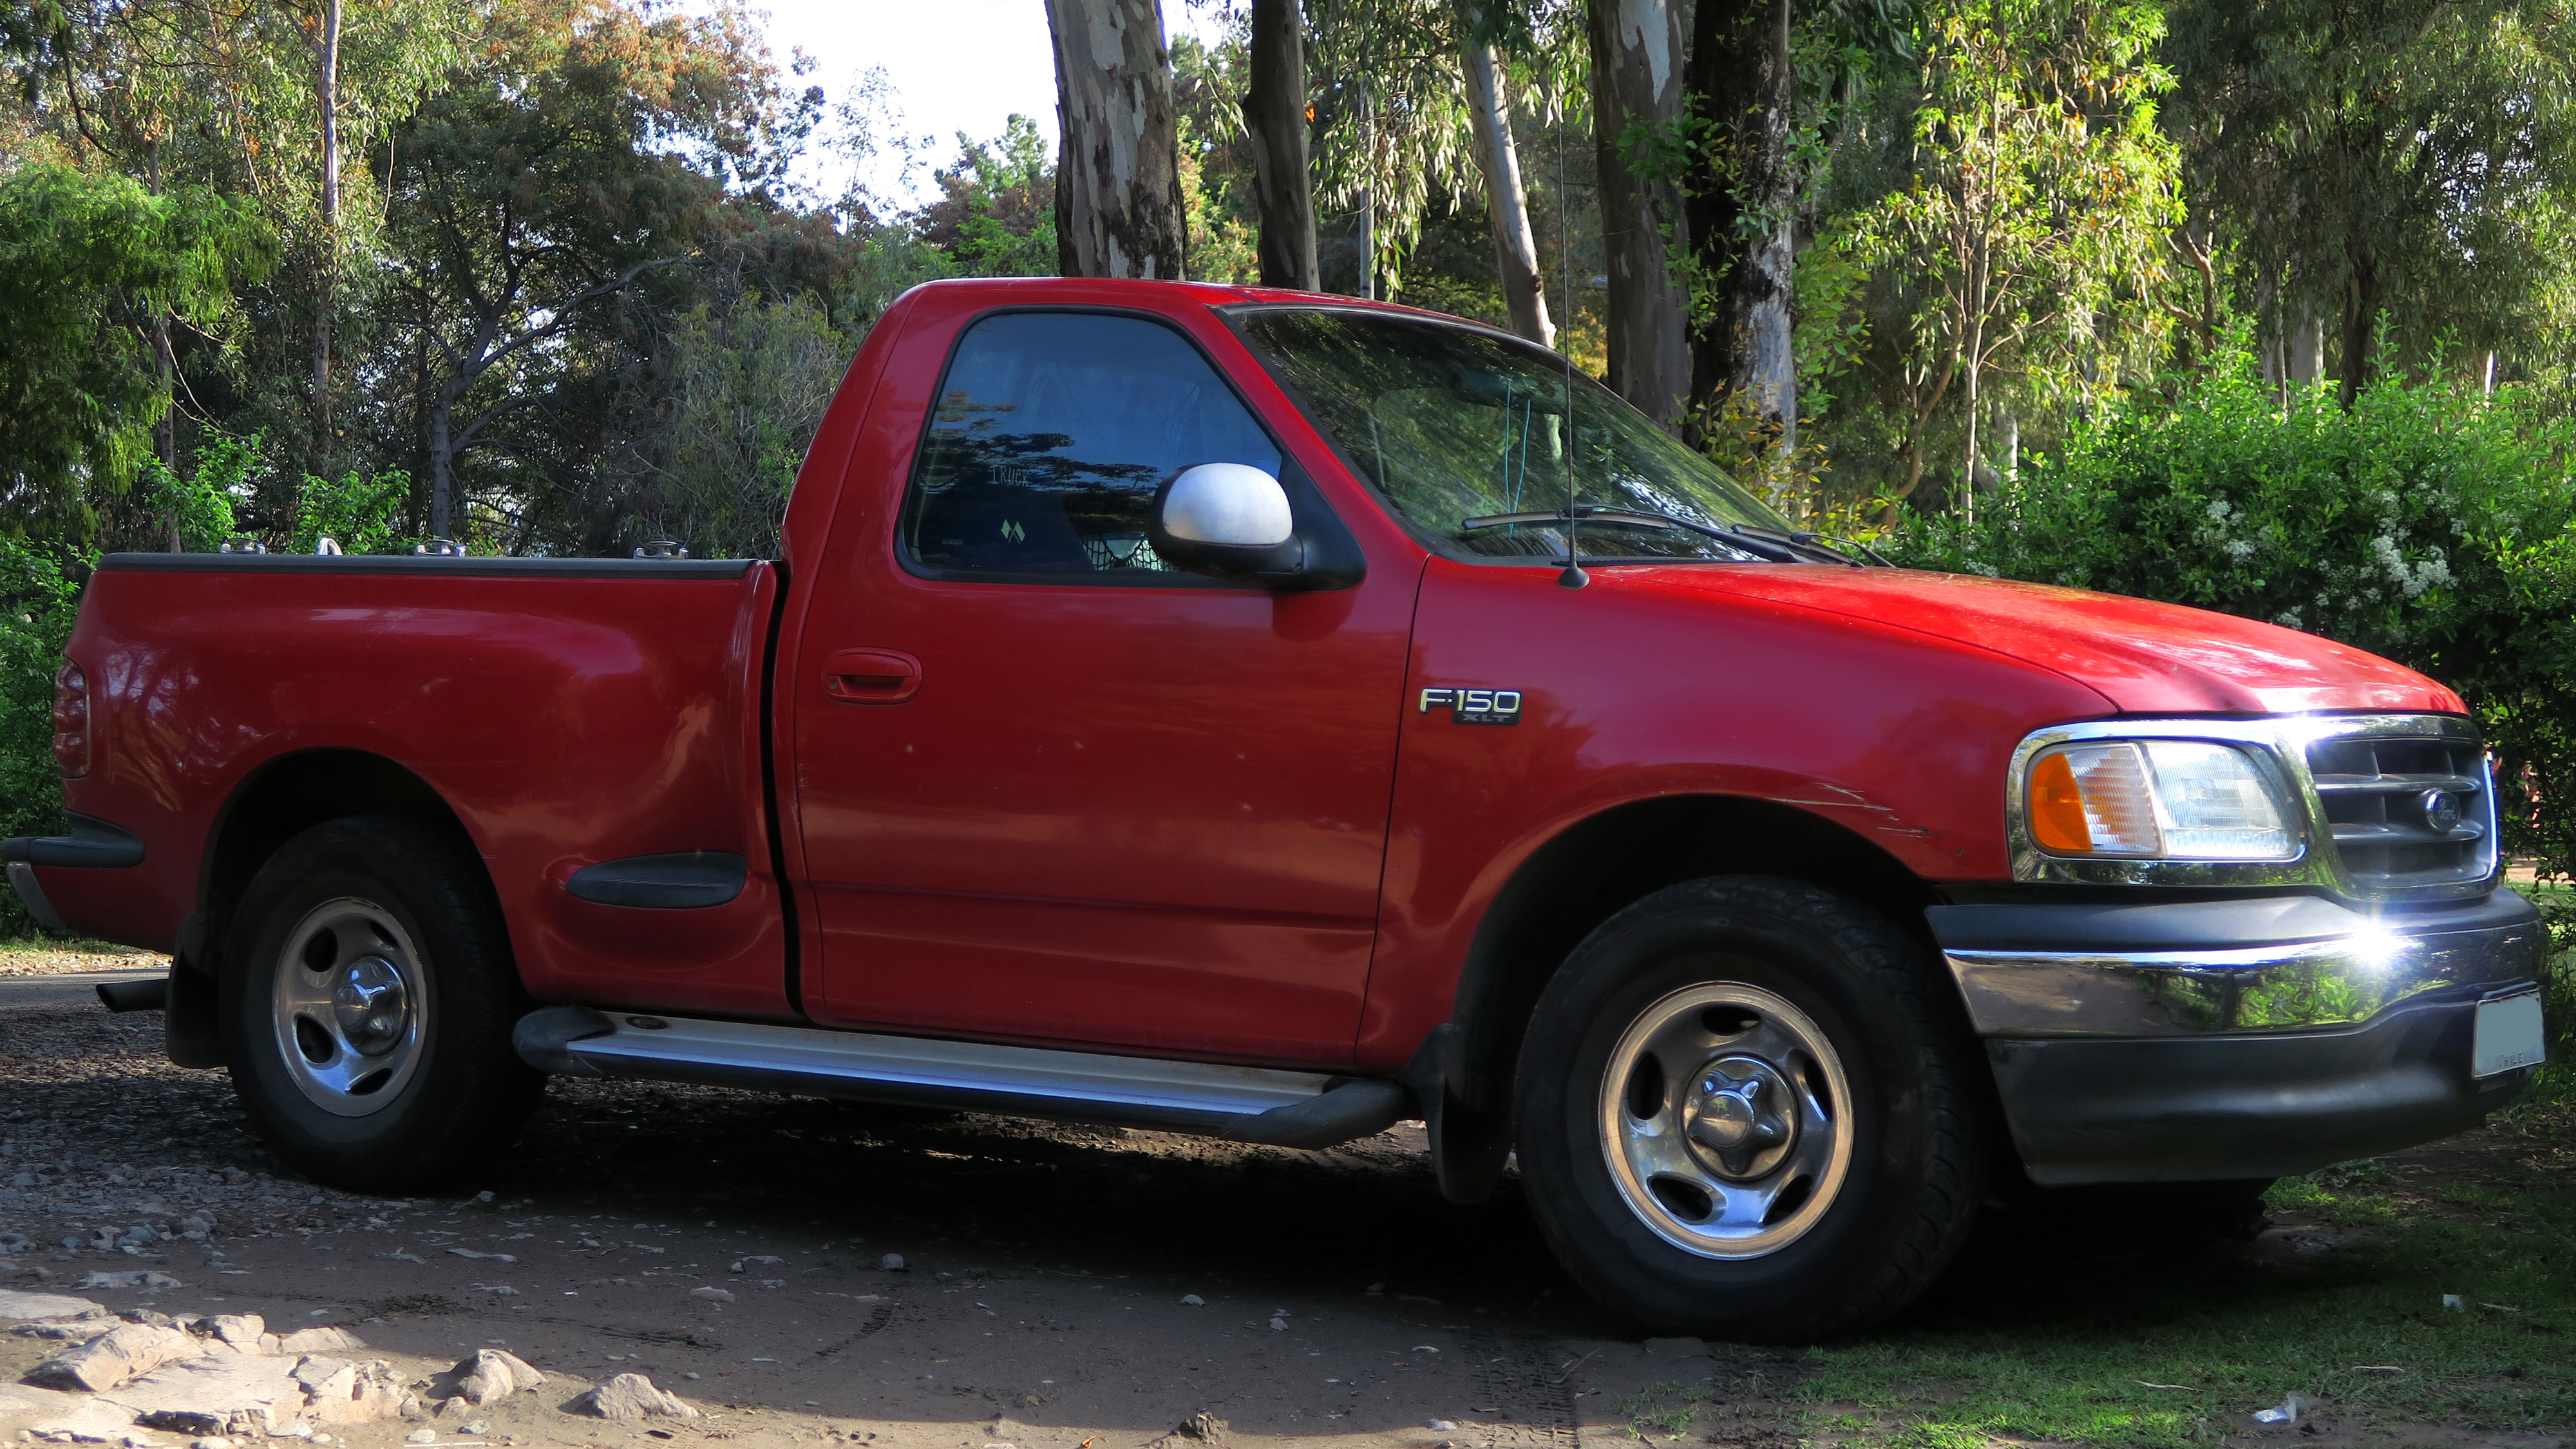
(955, 65)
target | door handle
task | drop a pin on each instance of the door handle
(871, 676)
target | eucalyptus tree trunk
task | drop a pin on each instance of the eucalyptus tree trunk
(2360, 321)
(1637, 88)
(1118, 206)
(1506, 203)
(327, 98)
(1742, 204)
(1274, 112)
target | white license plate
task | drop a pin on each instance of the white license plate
(2508, 1035)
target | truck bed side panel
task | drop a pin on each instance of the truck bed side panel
(565, 721)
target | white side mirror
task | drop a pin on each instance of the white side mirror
(1230, 505)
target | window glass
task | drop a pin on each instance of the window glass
(1052, 433)
(1487, 443)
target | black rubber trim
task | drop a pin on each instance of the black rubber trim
(2207, 1109)
(2215, 925)
(443, 566)
(94, 844)
(147, 995)
(689, 881)
(1345, 1113)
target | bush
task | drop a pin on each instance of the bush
(36, 606)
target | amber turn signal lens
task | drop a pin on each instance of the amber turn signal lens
(2057, 808)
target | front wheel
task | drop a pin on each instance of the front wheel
(1742, 1113)
(367, 998)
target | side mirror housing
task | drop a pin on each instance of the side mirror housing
(1233, 521)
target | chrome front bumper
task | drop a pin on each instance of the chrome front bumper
(2233, 1039)
(2282, 963)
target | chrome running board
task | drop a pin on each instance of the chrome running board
(1241, 1104)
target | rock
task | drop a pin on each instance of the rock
(1441, 1426)
(891, 1262)
(483, 1376)
(113, 1357)
(222, 1394)
(712, 1295)
(325, 1339)
(1193, 1300)
(339, 1392)
(631, 1396)
(242, 1331)
(29, 1307)
(1199, 1428)
(138, 1278)
(93, 1422)
(470, 1253)
(421, 1436)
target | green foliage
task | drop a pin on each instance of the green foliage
(2427, 524)
(2039, 201)
(86, 263)
(751, 384)
(36, 607)
(996, 215)
(362, 513)
(204, 507)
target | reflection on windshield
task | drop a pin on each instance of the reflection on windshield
(1452, 423)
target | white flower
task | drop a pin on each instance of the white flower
(2218, 509)
(2238, 549)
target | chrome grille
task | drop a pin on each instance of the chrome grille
(2385, 785)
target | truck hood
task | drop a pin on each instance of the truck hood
(2146, 657)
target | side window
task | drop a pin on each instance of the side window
(1052, 432)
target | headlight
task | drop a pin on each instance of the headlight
(2156, 800)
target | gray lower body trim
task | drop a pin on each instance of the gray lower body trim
(1244, 1104)
(31, 894)
(2216, 1108)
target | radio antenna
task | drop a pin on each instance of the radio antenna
(1574, 577)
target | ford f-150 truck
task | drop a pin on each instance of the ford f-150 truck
(1275, 717)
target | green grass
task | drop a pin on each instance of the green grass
(2174, 1346)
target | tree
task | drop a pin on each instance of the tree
(1119, 208)
(2042, 189)
(1489, 113)
(88, 264)
(1274, 111)
(532, 197)
(1636, 108)
(1743, 199)
(2409, 157)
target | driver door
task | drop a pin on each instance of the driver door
(1119, 805)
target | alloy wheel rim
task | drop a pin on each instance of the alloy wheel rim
(1724, 1118)
(350, 1004)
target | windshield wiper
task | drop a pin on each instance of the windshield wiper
(1777, 548)
(1817, 544)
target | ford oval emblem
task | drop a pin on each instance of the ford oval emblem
(2441, 810)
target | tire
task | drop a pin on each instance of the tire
(390, 1069)
(1819, 1163)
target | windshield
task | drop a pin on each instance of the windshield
(1456, 426)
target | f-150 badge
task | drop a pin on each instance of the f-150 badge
(1474, 706)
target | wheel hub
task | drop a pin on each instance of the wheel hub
(351, 1006)
(371, 1006)
(1723, 1120)
(1741, 1114)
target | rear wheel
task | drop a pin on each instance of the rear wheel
(1742, 1113)
(367, 999)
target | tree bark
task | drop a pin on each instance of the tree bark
(1743, 198)
(1274, 112)
(2360, 319)
(1118, 206)
(327, 98)
(1506, 203)
(1637, 89)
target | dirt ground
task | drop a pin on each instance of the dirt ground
(1056, 1287)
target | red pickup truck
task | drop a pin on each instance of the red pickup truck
(1272, 716)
